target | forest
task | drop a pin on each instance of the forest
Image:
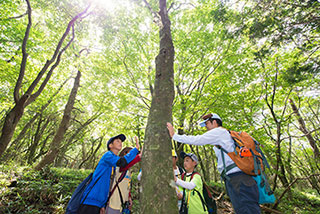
(74, 73)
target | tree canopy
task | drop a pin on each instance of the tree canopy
(255, 63)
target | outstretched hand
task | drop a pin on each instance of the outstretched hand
(137, 142)
(170, 129)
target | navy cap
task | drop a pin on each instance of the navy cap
(190, 155)
(122, 137)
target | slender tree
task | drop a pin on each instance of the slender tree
(158, 195)
(24, 99)
(55, 144)
(304, 129)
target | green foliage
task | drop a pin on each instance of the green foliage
(46, 191)
(49, 190)
(300, 201)
(242, 60)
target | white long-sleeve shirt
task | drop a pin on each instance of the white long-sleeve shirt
(185, 184)
(217, 136)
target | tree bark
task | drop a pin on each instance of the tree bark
(304, 129)
(13, 148)
(21, 101)
(36, 141)
(93, 151)
(73, 138)
(55, 144)
(158, 191)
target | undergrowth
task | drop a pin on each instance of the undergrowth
(25, 191)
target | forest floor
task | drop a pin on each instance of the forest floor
(23, 190)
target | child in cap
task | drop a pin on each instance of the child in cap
(190, 186)
(95, 196)
(120, 196)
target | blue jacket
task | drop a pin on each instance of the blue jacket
(98, 188)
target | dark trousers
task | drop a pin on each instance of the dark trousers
(243, 192)
(88, 209)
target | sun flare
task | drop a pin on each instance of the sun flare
(109, 5)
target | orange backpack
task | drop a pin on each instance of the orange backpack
(248, 157)
(247, 154)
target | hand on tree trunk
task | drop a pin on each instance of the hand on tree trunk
(170, 129)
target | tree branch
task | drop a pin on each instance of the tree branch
(57, 54)
(16, 95)
(290, 185)
(155, 15)
(17, 17)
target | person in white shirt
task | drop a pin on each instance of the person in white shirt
(241, 188)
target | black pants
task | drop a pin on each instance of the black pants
(88, 209)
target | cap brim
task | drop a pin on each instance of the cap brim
(122, 137)
(203, 123)
(183, 154)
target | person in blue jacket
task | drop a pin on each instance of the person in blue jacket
(95, 197)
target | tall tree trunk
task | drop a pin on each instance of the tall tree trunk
(73, 138)
(280, 164)
(55, 144)
(158, 192)
(36, 141)
(215, 170)
(207, 164)
(304, 129)
(93, 151)
(13, 148)
(21, 101)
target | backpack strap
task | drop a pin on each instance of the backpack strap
(204, 204)
(226, 168)
(180, 170)
(194, 173)
(81, 202)
(115, 186)
(121, 198)
(184, 190)
(183, 201)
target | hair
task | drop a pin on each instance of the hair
(124, 151)
(112, 142)
(219, 122)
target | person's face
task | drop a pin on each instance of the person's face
(116, 145)
(211, 125)
(189, 164)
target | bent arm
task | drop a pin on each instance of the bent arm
(113, 160)
(123, 161)
(185, 184)
(132, 163)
